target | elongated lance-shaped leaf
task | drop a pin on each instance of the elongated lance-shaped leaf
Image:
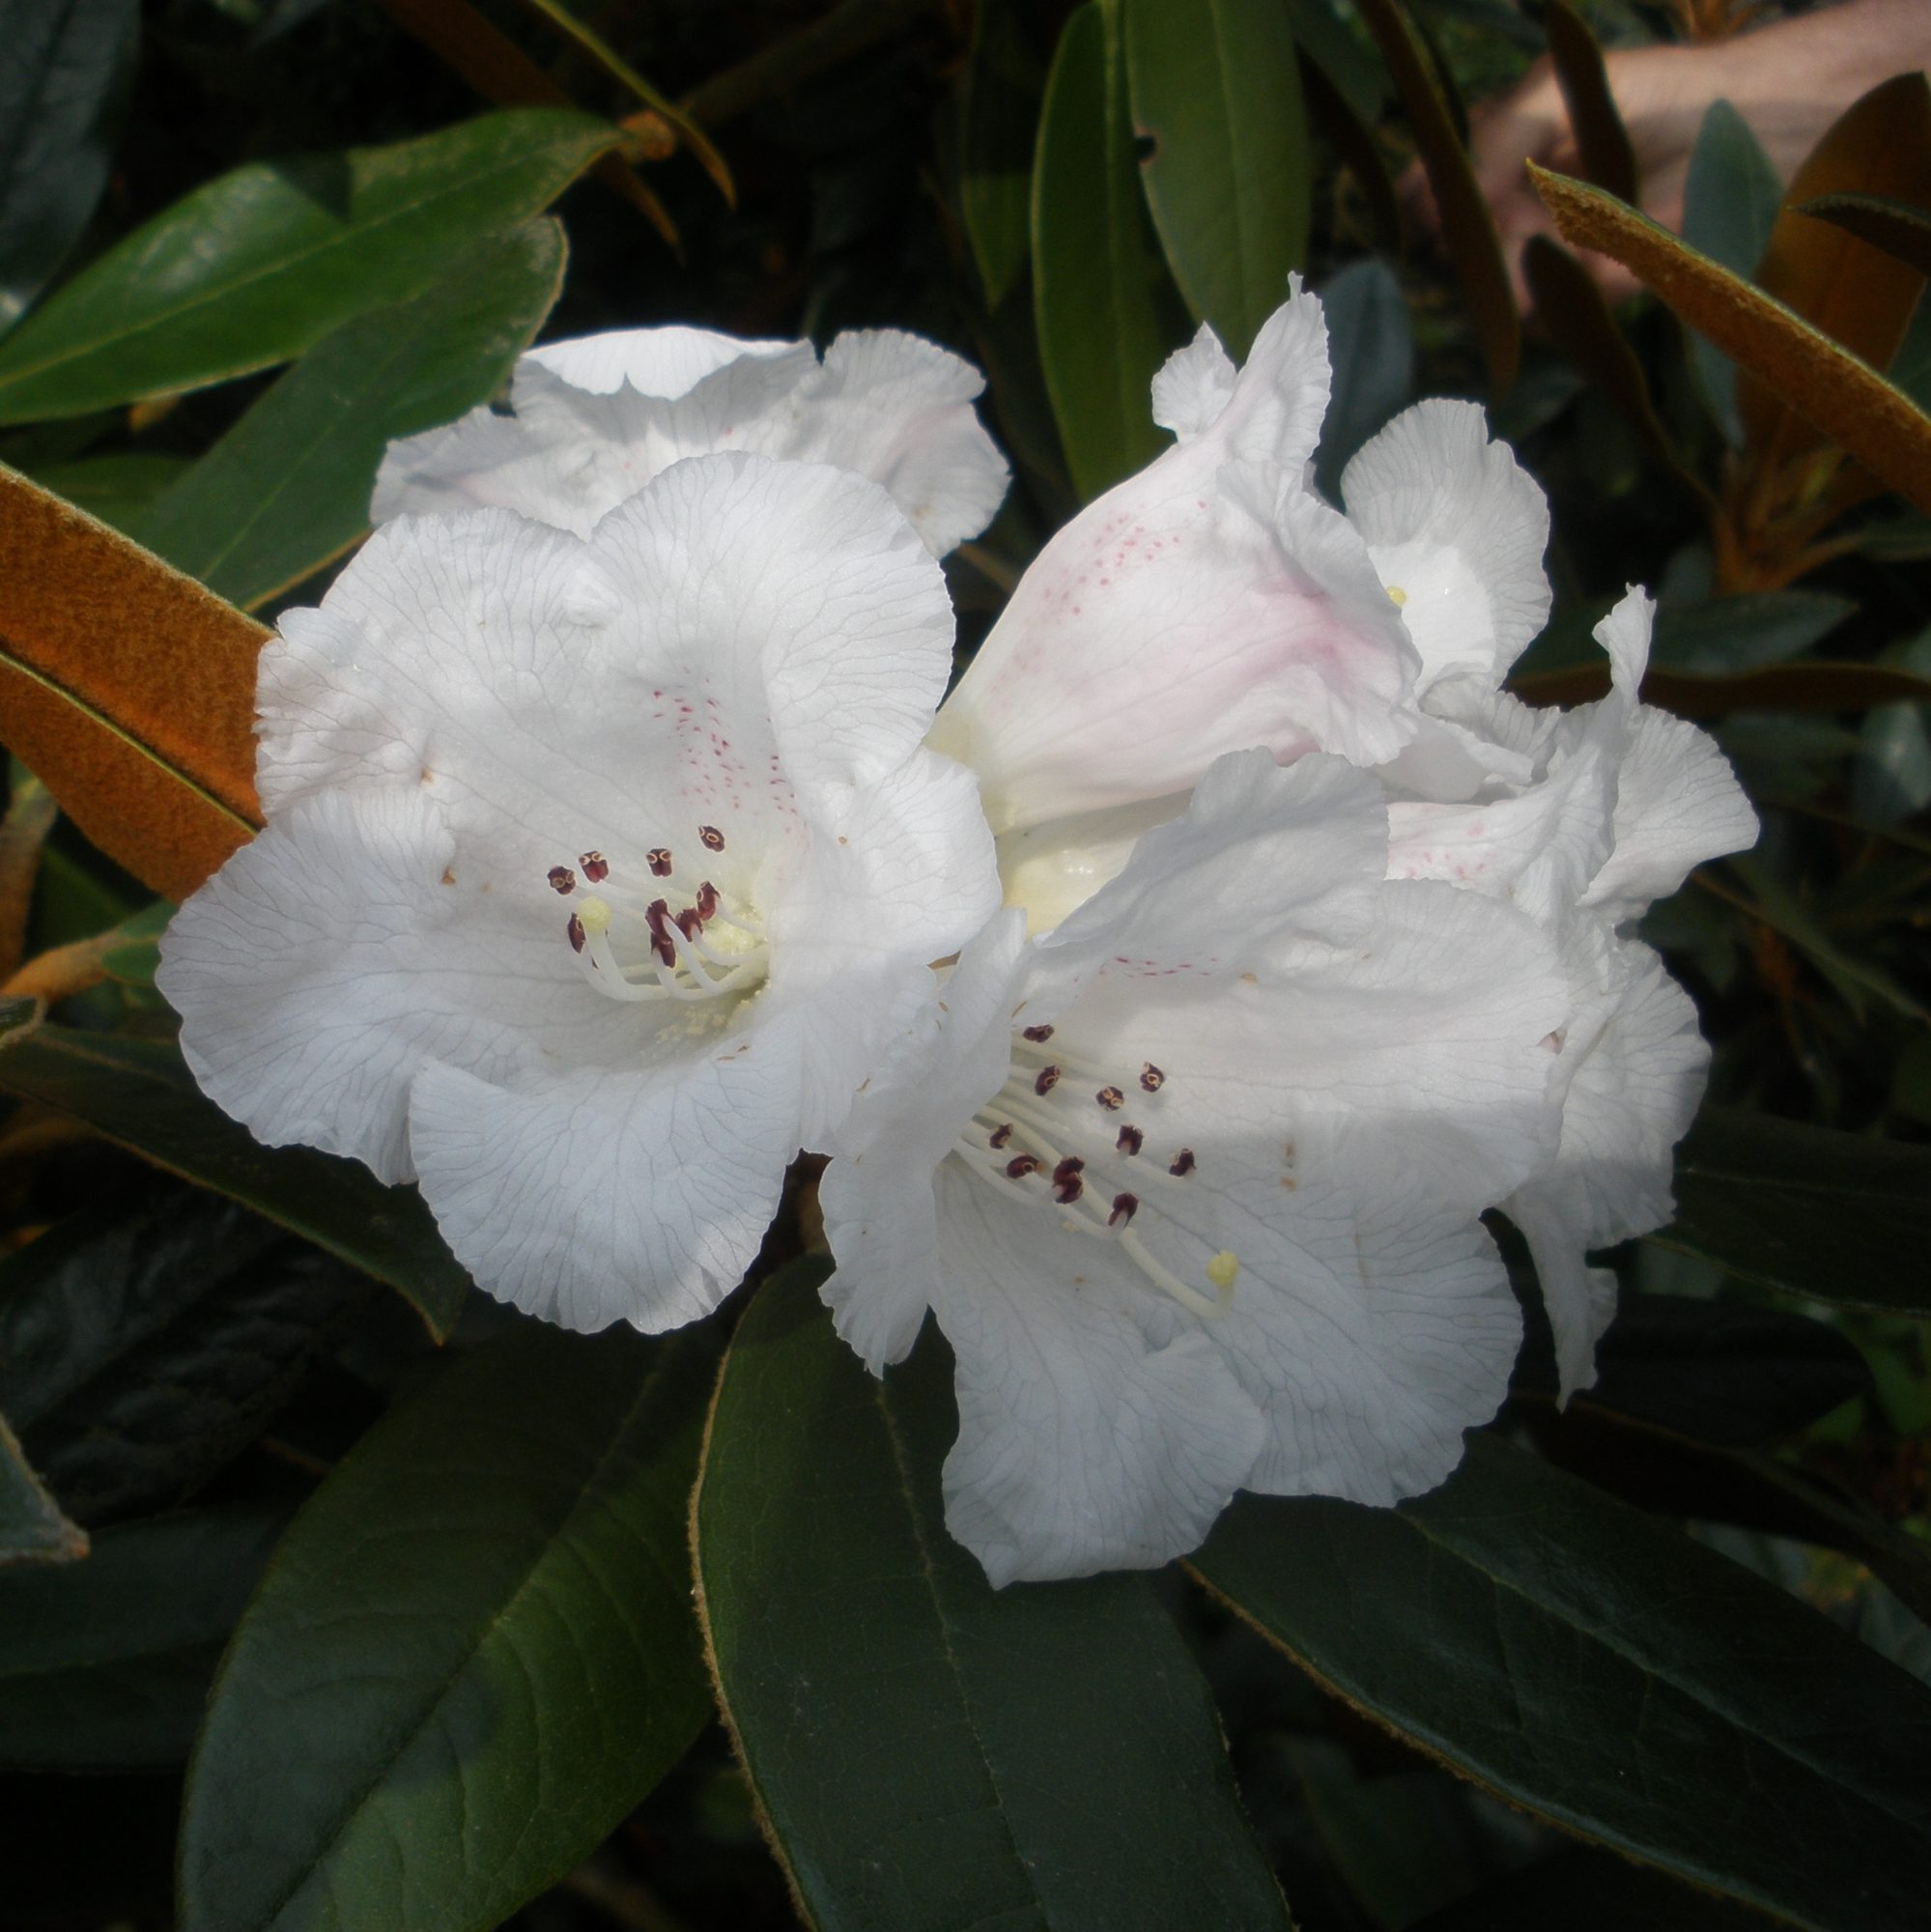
(1597, 1666)
(476, 1643)
(1467, 228)
(128, 689)
(1216, 100)
(926, 1751)
(1602, 143)
(1843, 397)
(105, 1665)
(262, 263)
(1827, 1215)
(1855, 293)
(1900, 228)
(139, 1094)
(1095, 271)
(287, 489)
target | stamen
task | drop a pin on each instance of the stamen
(1046, 1079)
(596, 868)
(1067, 1186)
(711, 838)
(1111, 1098)
(562, 879)
(1183, 1163)
(1151, 1078)
(658, 860)
(1124, 1207)
(1036, 1034)
(1132, 1140)
(1021, 1165)
(707, 898)
(1001, 1135)
(576, 932)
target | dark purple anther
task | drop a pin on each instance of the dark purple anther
(562, 879)
(596, 868)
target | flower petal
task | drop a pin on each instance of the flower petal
(330, 959)
(1194, 610)
(1630, 1076)
(898, 409)
(1194, 385)
(1456, 524)
(633, 1193)
(897, 874)
(1084, 1443)
(1678, 802)
(1261, 855)
(663, 362)
(880, 1218)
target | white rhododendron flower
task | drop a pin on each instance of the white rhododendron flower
(598, 874)
(595, 418)
(1208, 604)
(1192, 1183)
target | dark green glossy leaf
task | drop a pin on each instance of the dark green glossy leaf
(1215, 89)
(1095, 271)
(475, 1642)
(139, 1092)
(1838, 1218)
(1350, 66)
(32, 1527)
(1720, 1373)
(64, 68)
(1730, 203)
(1005, 81)
(287, 489)
(1732, 634)
(105, 1665)
(1585, 1890)
(262, 264)
(1372, 348)
(928, 1753)
(143, 1346)
(1891, 779)
(1597, 1666)
(116, 488)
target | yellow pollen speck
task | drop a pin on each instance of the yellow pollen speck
(1396, 596)
(594, 914)
(1222, 1269)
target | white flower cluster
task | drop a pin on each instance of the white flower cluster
(1173, 1003)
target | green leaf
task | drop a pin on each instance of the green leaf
(258, 266)
(139, 1094)
(1730, 204)
(1598, 1667)
(105, 1665)
(1216, 89)
(1351, 68)
(1807, 1211)
(1371, 347)
(65, 70)
(1094, 273)
(115, 488)
(1731, 634)
(144, 1346)
(929, 1752)
(1891, 779)
(475, 1642)
(1585, 1890)
(1604, 150)
(1006, 80)
(32, 1527)
(1719, 1373)
(287, 489)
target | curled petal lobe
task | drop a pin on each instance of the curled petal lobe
(596, 419)
(1193, 384)
(625, 1193)
(1458, 530)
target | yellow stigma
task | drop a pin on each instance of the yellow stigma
(1222, 1269)
(1396, 596)
(594, 914)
